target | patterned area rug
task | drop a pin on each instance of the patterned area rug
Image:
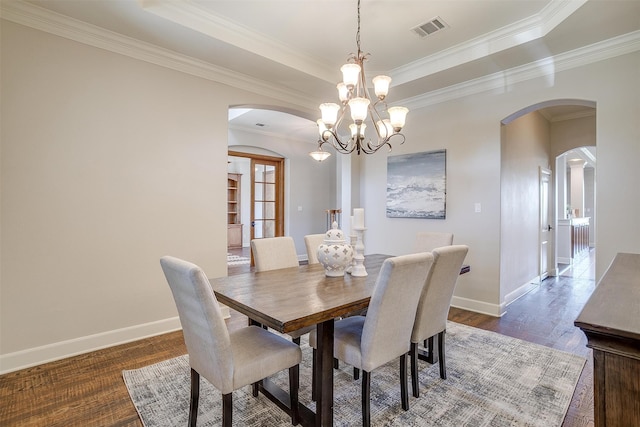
(237, 260)
(492, 380)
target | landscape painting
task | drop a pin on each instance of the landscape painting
(416, 185)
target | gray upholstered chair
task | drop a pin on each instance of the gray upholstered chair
(426, 241)
(227, 360)
(370, 341)
(312, 242)
(273, 253)
(433, 307)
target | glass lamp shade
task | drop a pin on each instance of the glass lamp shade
(397, 116)
(381, 86)
(319, 155)
(385, 129)
(321, 129)
(358, 108)
(329, 112)
(354, 130)
(350, 74)
(343, 92)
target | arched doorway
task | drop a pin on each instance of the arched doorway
(531, 140)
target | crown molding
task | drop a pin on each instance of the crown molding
(507, 37)
(63, 26)
(586, 55)
(82, 32)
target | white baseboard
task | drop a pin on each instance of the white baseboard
(496, 310)
(48, 353)
(477, 306)
(522, 290)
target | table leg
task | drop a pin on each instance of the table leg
(430, 353)
(324, 383)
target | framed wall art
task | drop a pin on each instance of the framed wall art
(417, 185)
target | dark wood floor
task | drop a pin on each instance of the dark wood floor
(88, 390)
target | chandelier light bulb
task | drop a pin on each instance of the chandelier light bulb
(397, 117)
(358, 108)
(385, 130)
(350, 74)
(357, 133)
(329, 112)
(343, 92)
(381, 86)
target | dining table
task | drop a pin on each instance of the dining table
(293, 298)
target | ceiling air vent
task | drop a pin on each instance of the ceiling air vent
(428, 28)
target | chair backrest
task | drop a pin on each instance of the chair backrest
(205, 332)
(433, 308)
(426, 241)
(312, 242)
(392, 309)
(273, 253)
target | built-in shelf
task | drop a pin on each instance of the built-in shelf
(234, 226)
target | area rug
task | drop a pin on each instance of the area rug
(237, 260)
(492, 380)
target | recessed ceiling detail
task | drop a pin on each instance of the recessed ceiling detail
(430, 27)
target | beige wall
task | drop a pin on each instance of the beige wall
(525, 149)
(469, 128)
(569, 134)
(108, 163)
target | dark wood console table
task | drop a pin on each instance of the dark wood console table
(611, 322)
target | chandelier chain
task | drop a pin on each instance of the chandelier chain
(358, 31)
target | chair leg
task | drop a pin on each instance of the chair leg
(255, 388)
(227, 410)
(313, 375)
(404, 393)
(336, 363)
(366, 398)
(443, 368)
(294, 381)
(356, 373)
(415, 387)
(195, 397)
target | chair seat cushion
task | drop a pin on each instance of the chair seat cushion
(258, 353)
(347, 335)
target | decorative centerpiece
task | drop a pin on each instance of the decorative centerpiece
(335, 254)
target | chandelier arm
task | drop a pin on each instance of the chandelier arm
(375, 118)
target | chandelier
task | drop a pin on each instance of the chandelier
(353, 93)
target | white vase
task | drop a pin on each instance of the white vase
(335, 254)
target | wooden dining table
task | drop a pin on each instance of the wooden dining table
(289, 299)
(293, 298)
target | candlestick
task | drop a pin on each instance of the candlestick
(357, 269)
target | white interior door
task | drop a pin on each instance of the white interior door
(546, 231)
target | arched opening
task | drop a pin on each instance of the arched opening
(531, 141)
(263, 131)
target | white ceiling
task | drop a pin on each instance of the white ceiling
(297, 46)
